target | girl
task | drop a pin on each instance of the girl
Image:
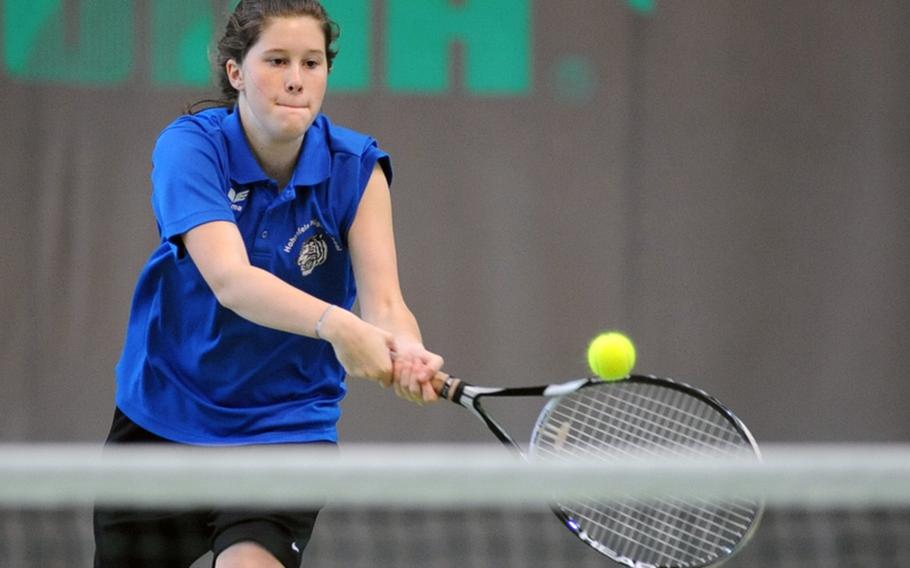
(240, 330)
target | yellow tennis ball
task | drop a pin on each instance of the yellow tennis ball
(611, 356)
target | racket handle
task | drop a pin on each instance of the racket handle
(447, 386)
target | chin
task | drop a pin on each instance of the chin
(290, 134)
(291, 129)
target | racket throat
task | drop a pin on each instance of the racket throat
(495, 428)
(468, 396)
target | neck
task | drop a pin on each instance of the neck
(277, 161)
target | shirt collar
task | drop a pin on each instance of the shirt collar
(241, 160)
(313, 164)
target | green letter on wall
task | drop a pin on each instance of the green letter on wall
(182, 31)
(98, 50)
(496, 35)
(351, 71)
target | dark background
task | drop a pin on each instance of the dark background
(726, 181)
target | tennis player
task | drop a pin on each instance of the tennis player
(271, 219)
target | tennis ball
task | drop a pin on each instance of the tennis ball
(611, 356)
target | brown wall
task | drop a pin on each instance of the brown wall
(733, 193)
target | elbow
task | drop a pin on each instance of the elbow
(227, 291)
(226, 299)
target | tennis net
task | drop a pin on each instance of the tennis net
(448, 506)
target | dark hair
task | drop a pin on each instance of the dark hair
(243, 29)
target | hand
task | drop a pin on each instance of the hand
(364, 350)
(413, 369)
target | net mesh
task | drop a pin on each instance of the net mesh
(501, 537)
(825, 507)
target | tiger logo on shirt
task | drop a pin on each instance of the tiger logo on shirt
(313, 253)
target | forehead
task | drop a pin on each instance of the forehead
(291, 33)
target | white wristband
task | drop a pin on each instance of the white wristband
(322, 320)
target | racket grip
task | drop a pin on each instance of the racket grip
(447, 386)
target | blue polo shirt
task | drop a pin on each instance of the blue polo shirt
(195, 372)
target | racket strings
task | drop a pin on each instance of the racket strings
(707, 428)
(626, 428)
(632, 421)
(644, 542)
(627, 419)
(659, 527)
(628, 424)
(663, 512)
(675, 539)
(708, 511)
(650, 403)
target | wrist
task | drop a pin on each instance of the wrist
(321, 321)
(334, 324)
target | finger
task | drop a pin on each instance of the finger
(421, 373)
(413, 384)
(429, 393)
(429, 369)
(403, 379)
(434, 361)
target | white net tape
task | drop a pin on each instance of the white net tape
(438, 476)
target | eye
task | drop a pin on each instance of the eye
(277, 61)
(312, 63)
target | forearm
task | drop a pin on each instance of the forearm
(257, 295)
(394, 317)
(265, 299)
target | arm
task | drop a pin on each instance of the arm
(372, 243)
(218, 251)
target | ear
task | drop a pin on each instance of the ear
(234, 74)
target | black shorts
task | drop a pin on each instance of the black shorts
(140, 538)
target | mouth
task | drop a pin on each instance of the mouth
(298, 107)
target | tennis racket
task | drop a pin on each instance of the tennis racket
(610, 420)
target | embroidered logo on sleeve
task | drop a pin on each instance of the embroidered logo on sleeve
(313, 252)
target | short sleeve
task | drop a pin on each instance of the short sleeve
(369, 157)
(189, 181)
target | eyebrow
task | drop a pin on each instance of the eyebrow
(283, 50)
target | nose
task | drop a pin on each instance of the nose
(293, 83)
